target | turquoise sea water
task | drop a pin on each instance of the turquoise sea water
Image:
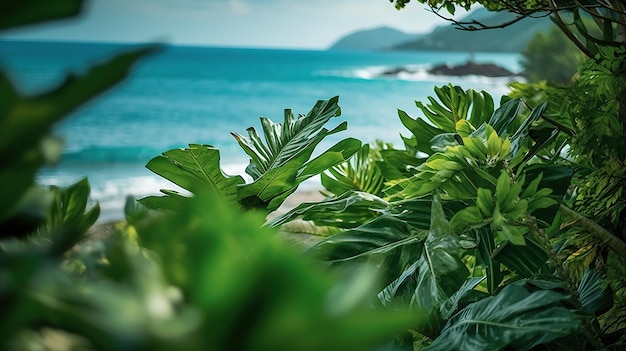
(185, 95)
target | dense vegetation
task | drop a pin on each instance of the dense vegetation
(495, 226)
(509, 39)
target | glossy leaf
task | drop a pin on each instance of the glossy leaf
(360, 173)
(440, 270)
(193, 168)
(348, 210)
(514, 318)
(487, 249)
(280, 164)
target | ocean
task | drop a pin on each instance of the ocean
(184, 95)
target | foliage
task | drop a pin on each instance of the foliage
(514, 317)
(206, 278)
(476, 231)
(499, 177)
(277, 166)
(542, 60)
(608, 17)
(589, 115)
(592, 112)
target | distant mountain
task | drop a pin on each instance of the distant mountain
(381, 38)
(512, 38)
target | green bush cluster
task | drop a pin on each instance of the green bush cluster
(485, 231)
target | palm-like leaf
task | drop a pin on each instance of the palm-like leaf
(282, 162)
(513, 318)
(593, 296)
(457, 111)
(360, 173)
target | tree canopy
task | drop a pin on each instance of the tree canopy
(608, 16)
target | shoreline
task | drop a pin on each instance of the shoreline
(105, 225)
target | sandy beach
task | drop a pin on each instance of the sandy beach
(103, 229)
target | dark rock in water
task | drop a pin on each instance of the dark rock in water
(471, 68)
(395, 71)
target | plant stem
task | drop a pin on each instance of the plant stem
(607, 238)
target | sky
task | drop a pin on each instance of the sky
(313, 24)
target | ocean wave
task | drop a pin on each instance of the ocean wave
(105, 153)
(110, 186)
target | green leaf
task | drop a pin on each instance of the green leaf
(594, 298)
(521, 134)
(14, 13)
(466, 217)
(69, 219)
(526, 260)
(422, 131)
(382, 235)
(486, 249)
(451, 305)
(395, 163)
(484, 202)
(348, 210)
(194, 168)
(360, 173)
(440, 271)
(513, 234)
(514, 318)
(504, 116)
(280, 164)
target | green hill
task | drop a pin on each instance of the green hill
(382, 38)
(509, 39)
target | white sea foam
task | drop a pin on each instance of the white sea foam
(110, 188)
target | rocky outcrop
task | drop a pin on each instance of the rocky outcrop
(471, 68)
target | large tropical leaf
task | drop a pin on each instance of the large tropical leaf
(347, 210)
(397, 164)
(486, 251)
(440, 271)
(457, 111)
(282, 162)
(360, 173)
(193, 168)
(514, 318)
